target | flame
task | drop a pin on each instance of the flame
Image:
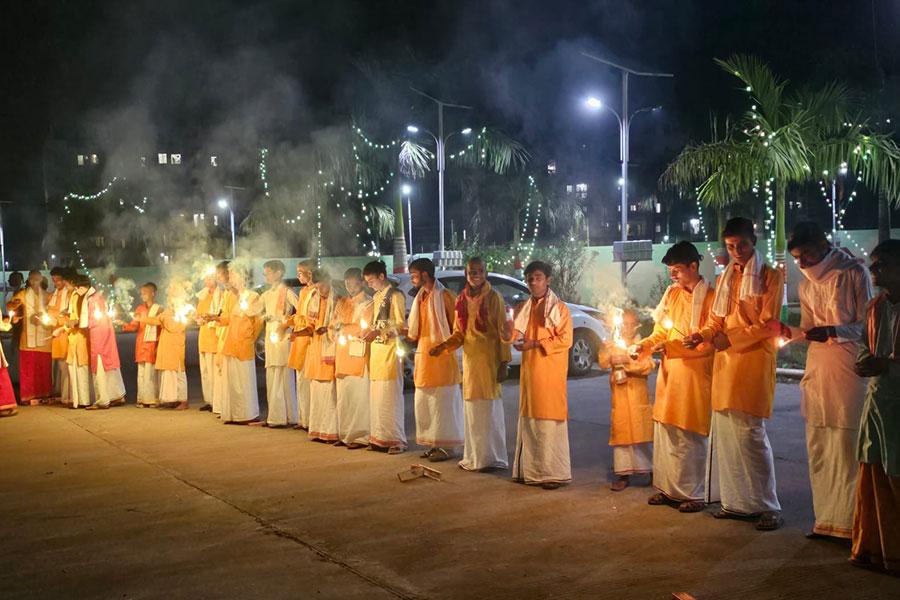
(12, 313)
(667, 323)
(782, 342)
(46, 320)
(273, 338)
(620, 343)
(98, 314)
(342, 340)
(618, 320)
(400, 352)
(363, 324)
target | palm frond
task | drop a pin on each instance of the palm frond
(495, 151)
(414, 159)
(382, 218)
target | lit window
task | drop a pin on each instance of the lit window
(658, 208)
(551, 167)
(81, 160)
(581, 187)
(176, 159)
(163, 159)
(213, 161)
(570, 189)
(658, 228)
(94, 159)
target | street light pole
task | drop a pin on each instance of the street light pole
(440, 140)
(624, 125)
(230, 206)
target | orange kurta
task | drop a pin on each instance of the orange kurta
(170, 349)
(206, 337)
(443, 369)
(483, 351)
(542, 391)
(631, 421)
(77, 344)
(59, 302)
(242, 327)
(684, 383)
(383, 360)
(744, 374)
(29, 312)
(347, 314)
(319, 357)
(300, 344)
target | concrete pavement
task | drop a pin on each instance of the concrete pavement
(143, 503)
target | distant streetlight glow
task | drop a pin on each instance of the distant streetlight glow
(466, 131)
(406, 189)
(412, 129)
(620, 181)
(594, 103)
(223, 203)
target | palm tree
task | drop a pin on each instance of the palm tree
(787, 139)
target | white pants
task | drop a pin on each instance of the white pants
(353, 409)
(439, 416)
(207, 375)
(833, 467)
(742, 466)
(679, 462)
(220, 385)
(388, 412)
(485, 435)
(323, 423)
(280, 396)
(542, 451)
(146, 384)
(173, 386)
(633, 459)
(302, 398)
(108, 385)
(240, 402)
(80, 385)
(61, 380)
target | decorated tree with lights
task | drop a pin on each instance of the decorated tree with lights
(784, 139)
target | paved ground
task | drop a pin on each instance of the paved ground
(132, 503)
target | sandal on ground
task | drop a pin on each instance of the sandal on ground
(619, 484)
(117, 401)
(724, 514)
(551, 485)
(8, 412)
(355, 446)
(691, 506)
(394, 450)
(427, 453)
(769, 521)
(97, 407)
(258, 424)
(660, 499)
(439, 455)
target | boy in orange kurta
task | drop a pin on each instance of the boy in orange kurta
(543, 328)
(172, 322)
(351, 359)
(438, 399)
(56, 307)
(631, 424)
(682, 410)
(237, 354)
(319, 367)
(300, 339)
(207, 342)
(145, 343)
(743, 327)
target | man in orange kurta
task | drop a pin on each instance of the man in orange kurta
(222, 306)
(35, 341)
(438, 398)
(481, 328)
(319, 367)
(351, 359)
(207, 341)
(172, 323)
(145, 342)
(682, 410)
(237, 356)
(300, 339)
(744, 327)
(56, 309)
(543, 328)
(631, 424)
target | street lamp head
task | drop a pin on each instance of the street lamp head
(412, 129)
(656, 108)
(620, 181)
(466, 131)
(223, 203)
(406, 189)
(594, 103)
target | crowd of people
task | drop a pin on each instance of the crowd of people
(334, 368)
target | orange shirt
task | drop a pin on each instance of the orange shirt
(206, 337)
(320, 355)
(744, 374)
(242, 327)
(630, 421)
(300, 344)
(347, 314)
(443, 369)
(170, 350)
(542, 390)
(59, 301)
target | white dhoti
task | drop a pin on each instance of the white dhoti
(387, 410)
(833, 467)
(173, 386)
(542, 452)
(323, 421)
(633, 459)
(679, 462)
(280, 396)
(80, 385)
(146, 384)
(302, 385)
(485, 433)
(220, 385)
(108, 385)
(240, 402)
(207, 370)
(742, 467)
(439, 416)
(61, 381)
(353, 409)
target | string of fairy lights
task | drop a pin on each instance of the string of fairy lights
(840, 233)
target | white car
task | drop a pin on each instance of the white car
(589, 328)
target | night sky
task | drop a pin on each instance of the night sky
(244, 73)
